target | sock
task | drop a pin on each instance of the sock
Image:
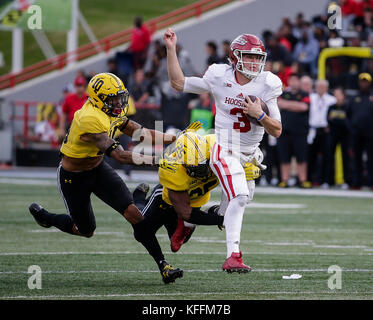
(233, 223)
(64, 222)
(198, 216)
(149, 241)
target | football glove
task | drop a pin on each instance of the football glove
(194, 126)
(251, 171)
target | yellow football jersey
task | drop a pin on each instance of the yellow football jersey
(176, 178)
(89, 119)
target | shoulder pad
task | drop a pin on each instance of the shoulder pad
(218, 70)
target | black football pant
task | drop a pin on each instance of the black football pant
(361, 143)
(319, 148)
(76, 189)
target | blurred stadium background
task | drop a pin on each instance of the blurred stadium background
(285, 231)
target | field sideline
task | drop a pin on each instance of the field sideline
(282, 234)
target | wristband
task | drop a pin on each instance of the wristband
(111, 148)
(262, 116)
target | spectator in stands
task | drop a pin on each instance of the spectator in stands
(306, 52)
(294, 106)
(275, 51)
(360, 115)
(139, 43)
(306, 84)
(282, 71)
(157, 52)
(112, 66)
(299, 25)
(318, 135)
(140, 87)
(348, 9)
(226, 44)
(172, 101)
(364, 25)
(286, 37)
(72, 103)
(335, 40)
(339, 134)
(212, 53)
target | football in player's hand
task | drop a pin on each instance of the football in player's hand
(264, 108)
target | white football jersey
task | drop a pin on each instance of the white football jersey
(232, 128)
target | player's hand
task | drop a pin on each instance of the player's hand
(253, 109)
(170, 39)
(194, 126)
(251, 171)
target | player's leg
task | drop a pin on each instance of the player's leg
(283, 148)
(75, 190)
(232, 178)
(145, 231)
(111, 189)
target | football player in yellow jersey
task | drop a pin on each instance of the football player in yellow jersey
(185, 184)
(82, 170)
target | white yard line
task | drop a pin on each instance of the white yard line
(332, 293)
(182, 253)
(189, 271)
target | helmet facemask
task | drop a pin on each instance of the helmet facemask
(114, 105)
(202, 170)
(250, 69)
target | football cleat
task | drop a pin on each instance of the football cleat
(283, 184)
(39, 214)
(234, 264)
(181, 234)
(305, 185)
(170, 274)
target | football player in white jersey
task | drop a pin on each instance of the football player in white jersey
(237, 138)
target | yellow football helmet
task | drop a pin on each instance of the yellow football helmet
(193, 151)
(108, 93)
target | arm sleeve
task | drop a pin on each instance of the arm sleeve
(196, 85)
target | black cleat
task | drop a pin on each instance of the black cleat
(38, 212)
(170, 274)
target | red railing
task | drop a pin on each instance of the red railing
(105, 44)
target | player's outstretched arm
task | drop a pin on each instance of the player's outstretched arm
(113, 149)
(133, 129)
(175, 73)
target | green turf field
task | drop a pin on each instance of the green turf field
(297, 234)
(104, 17)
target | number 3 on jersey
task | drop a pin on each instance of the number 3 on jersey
(244, 123)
